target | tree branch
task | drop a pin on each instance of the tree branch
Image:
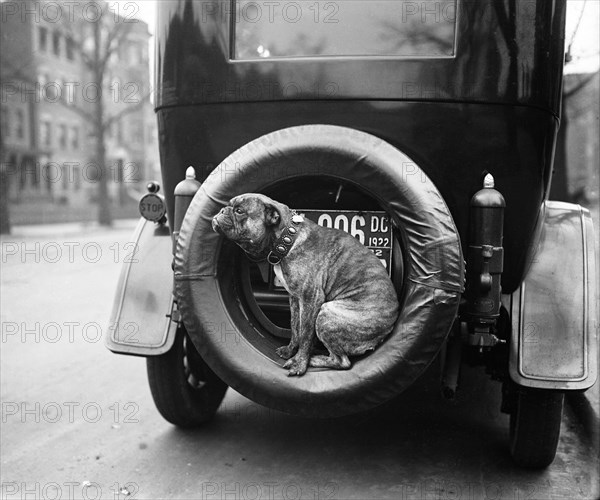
(80, 111)
(116, 35)
(17, 73)
(413, 35)
(125, 111)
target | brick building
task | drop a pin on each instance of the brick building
(48, 96)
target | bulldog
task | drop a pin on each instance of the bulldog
(339, 291)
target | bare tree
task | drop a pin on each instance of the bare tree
(108, 31)
(96, 35)
(8, 73)
(4, 208)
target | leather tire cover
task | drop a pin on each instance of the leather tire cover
(432, 286)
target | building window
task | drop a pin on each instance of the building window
(65, 177)
(75, 138)
(70, 94)
(20, 124)
(45, 133)
(62, 136)
(30, 174)
(77, 177)
(43, 39)
(34, 171)
(70, 49)
(56, 43)
(22, 174)
(5, 123)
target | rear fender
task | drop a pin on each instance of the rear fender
(140, 322)
(554, 341)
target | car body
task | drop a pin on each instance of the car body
(462, 88)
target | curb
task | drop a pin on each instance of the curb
(68, 229)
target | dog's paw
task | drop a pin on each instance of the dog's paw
(297, 366)
(286, 352)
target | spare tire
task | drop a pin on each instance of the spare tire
(238, 349)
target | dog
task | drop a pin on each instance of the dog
(339, 291)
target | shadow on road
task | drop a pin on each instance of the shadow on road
(417, 446)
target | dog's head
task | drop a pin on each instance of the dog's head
(251, 220)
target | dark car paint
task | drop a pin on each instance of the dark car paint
(493, 108)
(506, 52)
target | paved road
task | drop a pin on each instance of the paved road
(79, 422)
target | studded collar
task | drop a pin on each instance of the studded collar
(282, 245)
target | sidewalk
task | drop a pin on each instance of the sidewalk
(47, 212)
(66, 229)
(586, 406)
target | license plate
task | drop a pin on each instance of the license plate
(372, 229)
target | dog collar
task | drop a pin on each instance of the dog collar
(285, 242)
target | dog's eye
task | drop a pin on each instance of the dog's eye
(239, 211)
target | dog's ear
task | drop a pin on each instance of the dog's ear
(272, 214)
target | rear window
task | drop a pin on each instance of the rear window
(308, 28)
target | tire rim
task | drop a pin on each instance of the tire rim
(326, 195)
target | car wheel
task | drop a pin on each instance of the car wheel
(185, 390)
(535, 426)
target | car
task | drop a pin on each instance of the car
(426, 130)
